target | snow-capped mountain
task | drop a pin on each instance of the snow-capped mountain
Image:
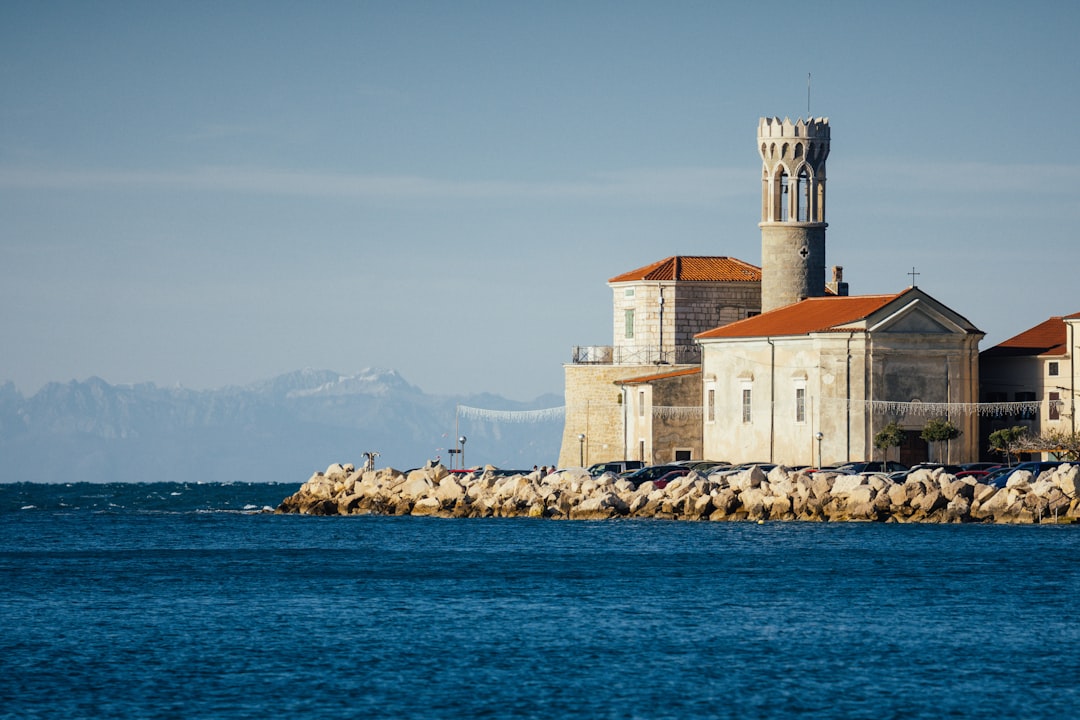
(281, 429)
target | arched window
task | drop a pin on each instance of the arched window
(784, 195)
(803, 198)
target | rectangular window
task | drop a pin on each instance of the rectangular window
(1052, 368)
(746, 414)
(682, 455)
(641, 450)
(1055, 406)
(629, 320)
(800, 405)
(641, 403)
(629, 292)
(710, 404)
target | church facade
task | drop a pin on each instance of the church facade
(811, 383)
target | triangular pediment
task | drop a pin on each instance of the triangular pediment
(918, 315)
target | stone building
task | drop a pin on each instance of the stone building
(657, 311)
(788, 368)
(811, 383)
(1036, 376)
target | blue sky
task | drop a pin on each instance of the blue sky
(212, 193)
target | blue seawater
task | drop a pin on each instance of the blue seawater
(142, 603)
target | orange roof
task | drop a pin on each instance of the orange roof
(694, 268)
(1046, 338)
(659, 376)
(811, 315)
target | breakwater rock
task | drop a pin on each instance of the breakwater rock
(925, 496)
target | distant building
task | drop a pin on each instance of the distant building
(1036, 374)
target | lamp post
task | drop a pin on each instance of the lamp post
(581, 448)
(461, 442)
(820, 436)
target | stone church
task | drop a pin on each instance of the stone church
(716, 359)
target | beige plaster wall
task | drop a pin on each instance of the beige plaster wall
(832, 367)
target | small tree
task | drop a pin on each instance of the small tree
(1008, 441)
(939, 430)
(1066, 445)
(890, 436)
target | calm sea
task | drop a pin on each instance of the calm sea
(183, 601)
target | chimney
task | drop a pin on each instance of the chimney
(838, 287)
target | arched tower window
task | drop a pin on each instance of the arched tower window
(784, 197)
(803, 196)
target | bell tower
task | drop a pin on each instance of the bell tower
(792, 209)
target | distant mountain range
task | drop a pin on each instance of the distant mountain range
(281, 429)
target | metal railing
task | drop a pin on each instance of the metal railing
(636, 355)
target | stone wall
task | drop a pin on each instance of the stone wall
(690, 307)
(593, 409)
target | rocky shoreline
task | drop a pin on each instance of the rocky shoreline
(752, 495)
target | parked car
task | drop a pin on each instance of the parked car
(978, 473)
(980, 466)
(999, 478)
(875, 466)
(662, 482)
(950, 469)
(652, 472)
(615, 466)
(702, 467)
(735, 469)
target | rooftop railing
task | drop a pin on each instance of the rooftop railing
(636, 355)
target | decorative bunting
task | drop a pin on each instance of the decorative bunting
(512, 416)
(675, 412)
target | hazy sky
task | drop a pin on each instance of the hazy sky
(212, 193)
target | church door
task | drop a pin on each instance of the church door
(915, 450)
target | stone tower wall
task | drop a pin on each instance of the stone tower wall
(793, 223)
(792, 263)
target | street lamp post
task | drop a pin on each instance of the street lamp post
(820, 436)
(581, 448)
(461, 442)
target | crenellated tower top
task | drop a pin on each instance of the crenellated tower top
(793, 158)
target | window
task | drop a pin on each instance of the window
(803, 198)
(629, 320)
(641, 450)
(710, 405)
(746, 414)
(1052, 368)
(629, 292)
(641, 403)
(1055, 406)
(784, 197)
(682, 455)
(800, 405)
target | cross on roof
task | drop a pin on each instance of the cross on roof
(913, 274)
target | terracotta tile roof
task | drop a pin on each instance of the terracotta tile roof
(694, 268)
(659, 376)
(812, 315)
(1046, 338)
